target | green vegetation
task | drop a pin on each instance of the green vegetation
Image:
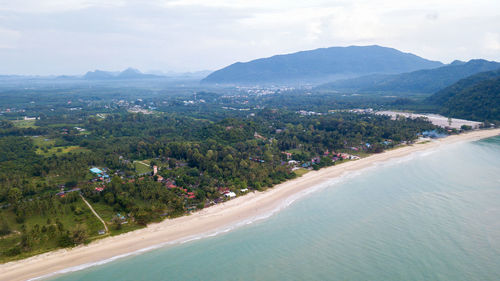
(60, 150)
(202, 146)
(475, 98)
(24, 123)
(300, 172)
(142, 168)
(45, 224)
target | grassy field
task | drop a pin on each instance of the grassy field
(107, 213)
(41, 141)
(142, 167)
(25, 123)
(46, 147)
(60, 150)
(300, 172)
(294, 151)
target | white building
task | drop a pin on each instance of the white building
(230, 194)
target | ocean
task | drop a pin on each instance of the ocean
(433, 215)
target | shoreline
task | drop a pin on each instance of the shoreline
(209, 221)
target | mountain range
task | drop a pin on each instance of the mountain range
(320, 65)
(421, 81)
(129, 73)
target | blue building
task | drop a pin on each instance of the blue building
(96, 171)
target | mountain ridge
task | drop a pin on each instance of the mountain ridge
(420, 81)
(323, 64)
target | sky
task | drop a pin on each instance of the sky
(53, 37)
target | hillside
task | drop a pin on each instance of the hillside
(421, 81)
(320, 65)
(445, 94)
(476, 97)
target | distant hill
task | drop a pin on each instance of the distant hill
(132, 73)
(421, 81)
(129, 73)
(320, 65)
(98, 75)
(476, 97)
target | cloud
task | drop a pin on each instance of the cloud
(198, 34)
(9, 38)
(492, 41)
(432, 16)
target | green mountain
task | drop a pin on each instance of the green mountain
(421, 81)
(476, 97)
(320, 65)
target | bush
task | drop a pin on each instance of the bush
(4, 228)
(79, 235)
(71, 183)
(13, 251)
(142, 217)
(78, 211)
(466, 128)
(64, 241)
(20, 219)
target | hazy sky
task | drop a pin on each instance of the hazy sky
(73, 36)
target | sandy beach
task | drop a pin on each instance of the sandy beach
(210, 220)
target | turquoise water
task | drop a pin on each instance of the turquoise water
(431, 216)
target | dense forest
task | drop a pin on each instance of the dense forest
(478, 101)
(164, 156)
(445, 94)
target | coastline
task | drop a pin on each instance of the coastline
(209, 221)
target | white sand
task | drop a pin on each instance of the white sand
(435, 119)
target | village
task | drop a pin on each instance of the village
(101, 177)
